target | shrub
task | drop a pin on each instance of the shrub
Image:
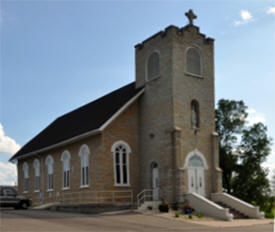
(149, 207)
(164, 207)
(200, 215)
(190, 216)
(177, 214)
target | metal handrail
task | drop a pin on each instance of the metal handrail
(143, 195)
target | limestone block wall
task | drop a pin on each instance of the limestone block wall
(156, 115)
(124, 128)
(187, 87)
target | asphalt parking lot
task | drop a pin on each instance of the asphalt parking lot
(46, 221)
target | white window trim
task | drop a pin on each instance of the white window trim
(79, 154)
(25, 191)
(49, 157)
(192, 153)
(146, 67)
(62, 159)
(128, 150)
(198, 49)
(38, 166)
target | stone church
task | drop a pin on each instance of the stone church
(151, 140)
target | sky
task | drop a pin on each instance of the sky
(59, 55)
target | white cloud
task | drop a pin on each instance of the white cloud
(246, 17)
(255, 117)
(7, 144)
(271, 10)
(8, 174)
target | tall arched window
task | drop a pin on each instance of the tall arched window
(36, 166)
(84, 153)
(65, 158)
(26, 177)
(153, 66)
(49, 164)
(195, 114)
(121, 151)
(193, 62)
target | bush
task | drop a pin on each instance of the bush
(149, 207)
(200, 215)
(269, 215)
(177, 214)
(164, 207)
(190, 216)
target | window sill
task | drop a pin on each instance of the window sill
(84, 186)
(49, 190)
(122, 185)
(25, 191)
(66, 188)
(36, 191)
(194, 75)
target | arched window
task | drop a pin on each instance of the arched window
(84, 153)
(195, 114)
(36, 166)
(121, 151)
(49, 164)
(153, 66)
(26, 177)
(193, 62)
(65, 158)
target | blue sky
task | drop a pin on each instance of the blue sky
(59, 55)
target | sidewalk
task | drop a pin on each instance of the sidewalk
(208, 221)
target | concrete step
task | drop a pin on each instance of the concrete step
(237, 214)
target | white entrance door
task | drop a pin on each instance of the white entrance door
(196, 180)
(155, 183)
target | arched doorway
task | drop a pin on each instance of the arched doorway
(195, 164)
(155, 181)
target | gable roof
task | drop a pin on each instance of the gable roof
(86, 120)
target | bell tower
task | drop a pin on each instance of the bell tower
(176, 111)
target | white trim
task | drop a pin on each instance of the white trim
(67, 188)
(73, 139)
(121, 110)
(65, 153)
(36, 191)
(198, 49)
(49, 190)
(121, 142)
(84, 186)
(198, 153)
(87, 134)
(86, 148)
(128, 152)
(146, 65)
(25, 191)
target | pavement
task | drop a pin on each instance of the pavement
(50, 221)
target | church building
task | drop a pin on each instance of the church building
(152, 140)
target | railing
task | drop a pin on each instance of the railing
(119, 196)
(144, 195)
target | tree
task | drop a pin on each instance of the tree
(230, 119)
(242, 151)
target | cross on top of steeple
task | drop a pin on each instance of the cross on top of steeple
(191, 16)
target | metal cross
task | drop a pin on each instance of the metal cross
(191, 16)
